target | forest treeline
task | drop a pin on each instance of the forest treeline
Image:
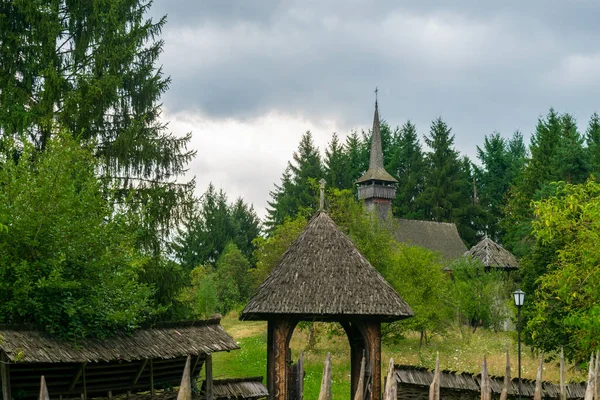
(99, 234)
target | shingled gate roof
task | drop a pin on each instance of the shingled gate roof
(442, 237)
(376, 171)
(493, 255)
(170, 341)
(323, 275)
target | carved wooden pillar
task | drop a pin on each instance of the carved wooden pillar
(373, 343)
(357, 349)
(278, 339)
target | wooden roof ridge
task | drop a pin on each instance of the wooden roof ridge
(442, 237)
(322, 275)
(376, 171)
(493, 255)
(167, 341)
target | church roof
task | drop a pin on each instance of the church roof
(376, 171)
(442, 237)
(493, 255)
(323, 275)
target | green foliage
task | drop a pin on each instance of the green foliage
(201, 295)
(232, 279)
(592, 136)
(336, 165)
(482, 297)
(269, 250)
(68, 262)
(565, 305)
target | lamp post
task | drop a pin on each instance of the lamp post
(519, 296)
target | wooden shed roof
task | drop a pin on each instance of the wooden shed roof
(410, 375)
(442, 237)
(323, 275)
(163, 342)
(493, 255)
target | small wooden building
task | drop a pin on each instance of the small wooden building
(493, 256)
(144, 360)
(323, 277)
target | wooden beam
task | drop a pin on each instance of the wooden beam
(5, 372)
(77, 376)
(84, 383)
(151, 378)
(139, 373)
(209, 378)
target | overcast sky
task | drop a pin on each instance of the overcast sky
(249, 77)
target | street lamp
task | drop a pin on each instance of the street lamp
(519, 296)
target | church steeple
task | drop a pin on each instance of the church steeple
(377, 187)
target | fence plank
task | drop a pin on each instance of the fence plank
(325, 393)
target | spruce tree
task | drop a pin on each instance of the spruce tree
(408, 166)
(570, 162)
(90, 68)
(337, 173)
(298, 192)
(592, 137)
(358, 155)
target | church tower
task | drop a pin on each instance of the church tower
(377, 187)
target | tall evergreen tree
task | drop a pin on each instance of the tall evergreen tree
(90, 67)
(336, 165)
(298, 192)
(358, 155)
(570, 161)
(408, 166)
(246, 227)
(592, 136)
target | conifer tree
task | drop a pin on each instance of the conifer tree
(298, 192)
(408, 166)
(592, 136)
(570, 162)
(358, 155)
(336, 165)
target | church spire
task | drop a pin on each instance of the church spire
(376, 160)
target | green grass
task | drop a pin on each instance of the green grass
(460, 350)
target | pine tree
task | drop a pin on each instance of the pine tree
(570, 162)
(246, 227)
(408, 166)
(593, 143)
(358, 155)
(337, 173)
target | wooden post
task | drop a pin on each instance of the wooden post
(139, 373)
(563, 388)
(110, 395)
(84, 383)
(300, 377)
(325, 393)
(360, 388)
(486, 390)
(5, 372)
(43, 389)
(209, 378)
(597, 377)
(185, 387)
(390, 384)
(589, 391)
(537, 395)
(77, 376)
(504, 393)
(434, 388)
(152, 378)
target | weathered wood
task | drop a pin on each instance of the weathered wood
(486, 390)
(84, 383)
(597, 377)
(434, 388)
(537, 395)
(589, 391)
(279, 334)
(325, 392)
(300, 377)
(373, 344)
(43, 390)
(209, 378)
(185, 388)
(360, 388)
(390, 392)
(152, 378)
(5, 375)
(139, 373)
(506, 383)
(77, 377)
(563, 389)
(110, 395)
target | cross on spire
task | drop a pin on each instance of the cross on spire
(376, 91)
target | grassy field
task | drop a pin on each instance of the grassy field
(459, 351)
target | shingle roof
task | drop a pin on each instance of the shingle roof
(170, 341)
(442, 237)
(376, 170)
(493, 255)
(323, 275)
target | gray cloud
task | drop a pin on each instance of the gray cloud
(482, 66)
